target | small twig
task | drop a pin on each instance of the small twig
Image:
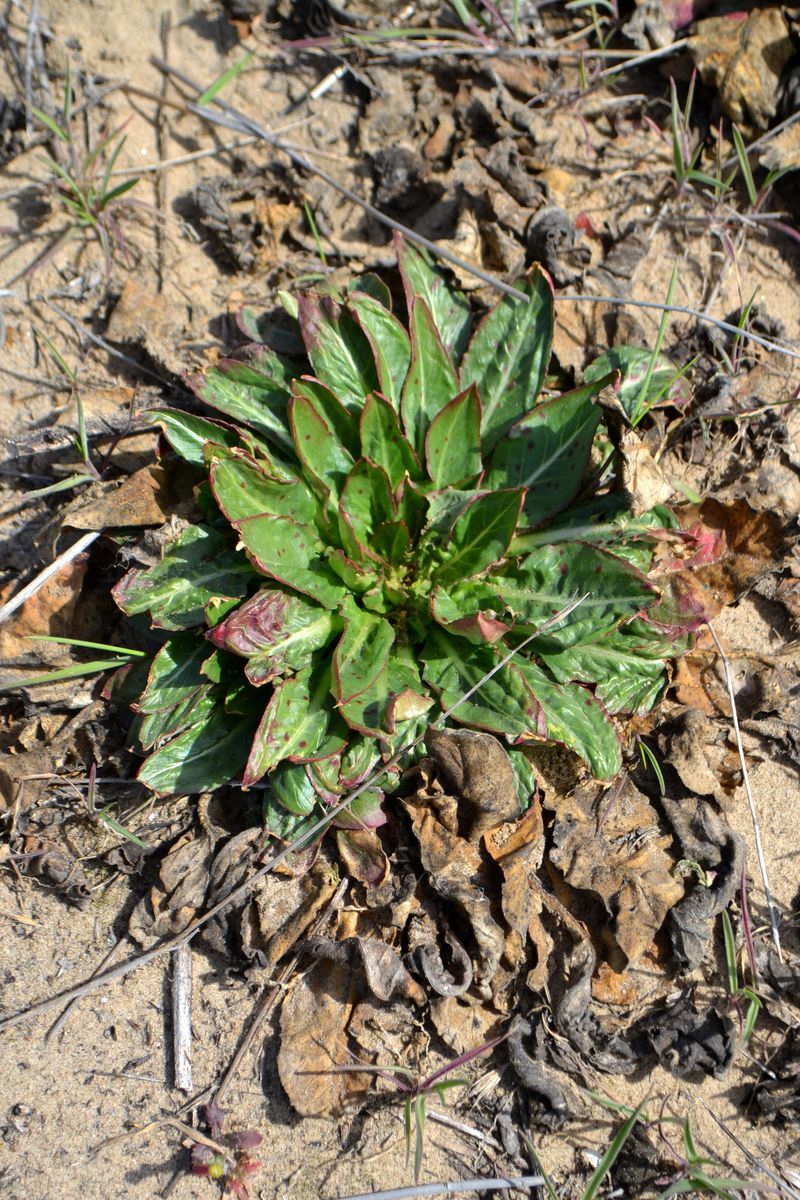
(182, 1017)
(773, 916)
(467, 1130)
(753, 1159)
(109, 349)
(41, 579)
(454, 1187)
(194, 1135)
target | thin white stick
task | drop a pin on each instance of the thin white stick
(41, 579)
(454, 1187)
(773, 916)
(182, 1017)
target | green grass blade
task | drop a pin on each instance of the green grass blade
(66, 641)
(50, 124)
(419, 1149)
(651, 366)
(730, 953)
(225, 78)
(62, 485)
(73, 672)
(611, 1154)
(120, 830)
(744, 166)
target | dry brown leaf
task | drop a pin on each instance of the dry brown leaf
(141, 499)
(49, 611)
(698, 750)
(625, 865)
(743, 55)
(178, 895)
(475, 768)
(642, 477)
(314, 1021)
(457, 873)
(517, 848)
(362, 855)
(463, 1023)
(754, 540)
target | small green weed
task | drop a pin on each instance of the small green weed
(82, 182)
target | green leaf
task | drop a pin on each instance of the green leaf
(293, 554)
(294, 725)
(508, 356)
(338, 350)
(362, 652)
(611, 1153)
(243, 489)
(453, 444)
(323, 456)
(292, 789)
(480, 535)
(628, 666)
(574, 717)
(519, 700)
(547, 452)
(343, 424)
(365, 505)
(196, 568)
(383, 442)
(188, 434)
(633, 363)
(276, 631)
(175, 674)
(390, 344)
(394, 696)
(203, 757)
(535, 588)
(450, 309)
(431, 381)
(253, 395)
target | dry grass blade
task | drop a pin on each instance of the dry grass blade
(762, 865)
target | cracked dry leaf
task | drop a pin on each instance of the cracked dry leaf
(457, 873)
(754, 540)
(141, 499)
(315, 1016)
(463, 1023)
(625, 865)
(384, 972)
(697, 749)
(518, 848)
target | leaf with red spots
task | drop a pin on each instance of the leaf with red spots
(242, 488)
(290, 553)
(453, 444)
(295, 725)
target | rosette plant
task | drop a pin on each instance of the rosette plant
(383, 520)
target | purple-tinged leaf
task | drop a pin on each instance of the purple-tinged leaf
(294, 725)
(383, 443)
(196, 568)
(574, 717)
(390, 344)
(204, 757)
(276, 631)
(364, 811)
(291, 553)
(453, 442)
(338, 350)
(431, 381)
(243, 489)
(508, 356)
(450, 309)
(343, 425)
(480, 535)
(548, 452)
